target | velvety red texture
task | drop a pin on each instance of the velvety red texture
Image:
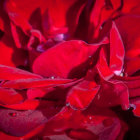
(69, 70)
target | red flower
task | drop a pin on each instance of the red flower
(69, 70)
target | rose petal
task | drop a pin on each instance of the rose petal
(117, 51)
(68, 56)
(103, 67)
(37, 92)
(25, 105)
(4, 136)
(6, 59)
(133, 84)
(10, 73)
(129, 5)
(67, 11)
(81, 95)
(7, 94)
(15, 119)
(31, 83)
(19, 36)
(93, 122)
(135, 103)
(113, 93)
(131, 40)
(31, 105)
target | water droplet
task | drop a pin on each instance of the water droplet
(108, 122)
(90, 56)
(133, 106)
(52, 77)
(98, 96)
(101, 28)
(59, 38)
(125, 107)
(90, 117)
(121, 74)
(13, 114)
(118, 72)
(67, 104)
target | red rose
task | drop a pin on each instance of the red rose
(69, 69)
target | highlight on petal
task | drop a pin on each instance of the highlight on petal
(103, 67)
(25, 105)
(135, 104)
(117, 51)
(64, 59)
(32, 83)
(53, 90)
(131, 40)
(32, 104)
(10, 73)
(107, 66)
(81, 95)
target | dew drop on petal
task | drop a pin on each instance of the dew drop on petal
(59, 37)
(52, 77)
(98, 96)
(101, 28)
(121, 74)
(67, 104)
(118, 72)
(133, 106)
(90, 117)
